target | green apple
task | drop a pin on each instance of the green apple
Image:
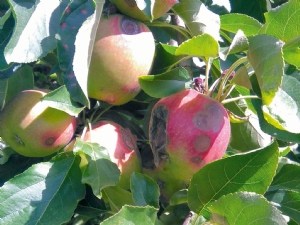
(123, 50)
(32, 128)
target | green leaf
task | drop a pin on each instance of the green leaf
(42, 193)
(60, 99)
(238, 44)
(288, 178)
(252, 8)
(198, 18)
(252, 171)
(35, 29)
(145, 190)
(266, 58)
(269, 128)
(83, 48)
(233, 22)
(133, 215)
(204, 46)
(247, 135)
(7, 24)
(284, 110)
(164, 58)
(288, 202)
(117, 197)
(165, 84)
(77, 33)
(283, 22)
(99, 172)
(242, 208)
(291, 52)
(22, 79)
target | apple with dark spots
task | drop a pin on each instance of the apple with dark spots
(140, 12)
(187, 131)
(121, 145)
(32, 128)
(123, 50)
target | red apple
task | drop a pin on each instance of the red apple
(187, 131)
(124, 49)
(121, 146)
(32, 128)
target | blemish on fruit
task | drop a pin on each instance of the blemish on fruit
(209, 119)
(129, 26)
(18, 139)
(158, 135)
(202, 143)
(49, 141)
(128, 139)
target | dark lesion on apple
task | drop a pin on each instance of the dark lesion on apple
(158, 135)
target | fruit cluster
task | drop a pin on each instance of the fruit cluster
(187, 130)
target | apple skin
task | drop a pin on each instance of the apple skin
(130, 8)
(121, 145)
(123, 50)
(32, 128)
(187, 131)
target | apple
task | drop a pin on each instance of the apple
(123, 50)
(140, 12)
(32, 128)
(121, 145)
(187, 131)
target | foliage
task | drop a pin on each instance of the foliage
(247, 55)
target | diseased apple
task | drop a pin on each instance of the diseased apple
(121, 145)
(32, 128)
(140, 12)
(187, 131)
(124, 49)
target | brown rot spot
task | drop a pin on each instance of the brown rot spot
(49, 141)
(210, 118)
(202, 143)
(131, 3)
(128, 139)
(196, 160)
(157, 133)
(129, 26)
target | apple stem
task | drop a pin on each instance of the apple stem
(93, 118)
(225, 101)
(178, 62)
(227, 75)
(207, 70)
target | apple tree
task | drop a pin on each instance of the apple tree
(149, 112)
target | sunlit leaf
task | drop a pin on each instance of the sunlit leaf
(265, 55)
(61, 99)
(283, 22)
(99, 172)
(35, 29)
(288, 202)
(204, 46)
(238, 44)
(252, 171)
(133, 215)
(284, 110)
(246, 208)
(291, 52)
(164, 84)
(35, 196)
(233, 22)
(198, 18)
